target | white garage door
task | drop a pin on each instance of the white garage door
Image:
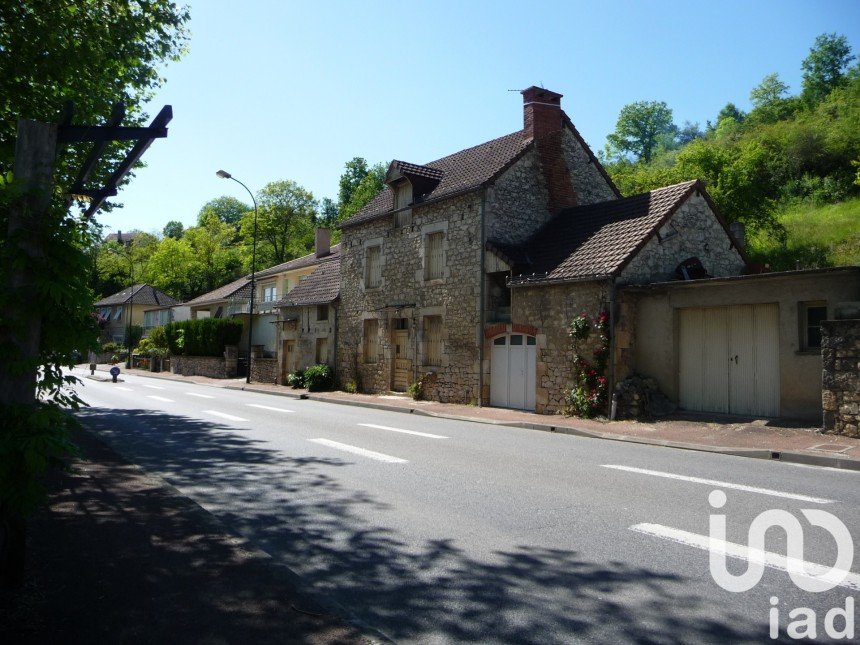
(512, 372)
(729, 359)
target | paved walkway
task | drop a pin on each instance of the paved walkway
(785, 440)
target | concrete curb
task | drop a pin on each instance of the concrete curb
(826, 461)
(802, 458)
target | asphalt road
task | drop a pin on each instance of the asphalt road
(433, 530)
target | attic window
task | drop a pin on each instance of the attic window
(402, 200)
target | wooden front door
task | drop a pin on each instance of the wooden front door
(289, 359)
(402, 365)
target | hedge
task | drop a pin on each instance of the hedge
(202, 337)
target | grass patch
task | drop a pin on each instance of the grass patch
(818, 236)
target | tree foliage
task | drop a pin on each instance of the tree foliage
(366, 189)
(227, 209)
(758, 164)
(285, 224)
(825, 66)
(641, 128)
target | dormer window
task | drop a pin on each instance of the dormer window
(402, 201)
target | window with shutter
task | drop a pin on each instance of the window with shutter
(371, 340)
(373, 267)
(432, 340)
(433, 262)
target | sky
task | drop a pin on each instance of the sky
(279, 89)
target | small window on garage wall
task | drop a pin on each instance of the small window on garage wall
(322, 312)
(811, 315)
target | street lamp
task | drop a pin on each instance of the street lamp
(128, 257)
(223, 174)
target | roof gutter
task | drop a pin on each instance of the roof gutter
(542, 282)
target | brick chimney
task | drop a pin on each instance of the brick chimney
(322, 242)
(541, 112)
(543, 122)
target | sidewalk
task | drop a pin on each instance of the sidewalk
(119, 556)
(788, 441)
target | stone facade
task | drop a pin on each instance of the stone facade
(210, 366)
(693, 231)
(840, 352)
(264, 370)
(308, 335)
(551, 309)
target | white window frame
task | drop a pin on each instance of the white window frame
(269, 292)
(805, 326)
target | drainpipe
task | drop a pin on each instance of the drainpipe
(611, 400)
(482, 316)
(336, 361)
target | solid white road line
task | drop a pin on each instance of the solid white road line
(721, 484)
(360, 451)
(200, 396)
(223, 415)
(414, 432)
(160, 398)
(268, 407)
(741, 552)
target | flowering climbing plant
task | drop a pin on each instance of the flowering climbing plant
(589, 393)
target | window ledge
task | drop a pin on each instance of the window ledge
(808, 352)
(432, 281)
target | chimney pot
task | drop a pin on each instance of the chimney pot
(541, 112)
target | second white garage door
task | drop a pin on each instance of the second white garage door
(729, 359)
(512, 372)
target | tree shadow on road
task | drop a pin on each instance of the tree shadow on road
(297, 509)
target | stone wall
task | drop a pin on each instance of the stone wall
(210, 366)
(590, 185)
(264, 370)
(405, 294)
(551, 309)
(693, 231)
(840, 353)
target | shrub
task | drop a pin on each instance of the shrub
(158, 337)
(351, 387)
(203, 337)
(319, 378)
(296, 380)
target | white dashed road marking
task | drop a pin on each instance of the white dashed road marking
(223, 415)
(160, 398)
(721, 484)
(413, 432)
(268, 407)
(360, 451)
(200, 396)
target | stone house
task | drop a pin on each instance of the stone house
(464, 275)
(419, 284)
(308, 321)
(141, 305)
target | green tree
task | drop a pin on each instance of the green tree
(769, 100)
(640, 129)
(227, 209)
(174, 229)
(367, 189)
(175, 269)
(354, 172)
(217, 257)
(825, 66)
(123, 47)
(285, 224)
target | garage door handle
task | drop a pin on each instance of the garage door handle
(735, 359)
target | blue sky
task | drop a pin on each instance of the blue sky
(274, 90)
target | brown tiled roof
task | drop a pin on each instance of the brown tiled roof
(407, 168)
(461, 171)
(240, 288)
(139, 294)
(299, 263)
(595, 240)
(319, 288)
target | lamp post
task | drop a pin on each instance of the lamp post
(127, 255)
(223, 174)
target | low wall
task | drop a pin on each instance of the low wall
(264, 370)
(210, 366)
(840, 397)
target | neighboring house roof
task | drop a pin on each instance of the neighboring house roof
(595, 240)
(139, 294)
(319, 288)
(240, 289)
(126, 237)
(461, 171)
(299, 263)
